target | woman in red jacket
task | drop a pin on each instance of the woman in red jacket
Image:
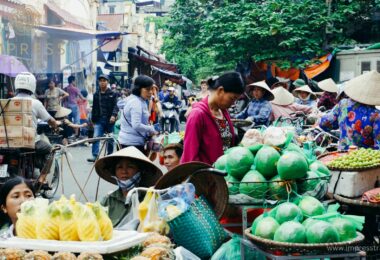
(209, 130)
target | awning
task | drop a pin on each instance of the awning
(161, 65)
(110, 21)
(111, 46)
(64, 15)
(77, 34)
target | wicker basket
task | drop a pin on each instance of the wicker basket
(328, 157)
(270, 245)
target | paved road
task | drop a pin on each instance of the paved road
(82, 171)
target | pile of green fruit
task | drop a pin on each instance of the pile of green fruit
(306, 221)
(359, 159)
(263, 172)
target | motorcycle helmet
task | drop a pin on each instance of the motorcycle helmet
(26, 81)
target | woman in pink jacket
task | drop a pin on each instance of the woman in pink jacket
(209, 130)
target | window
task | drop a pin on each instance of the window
(366, 67)
(112, 9)
(378, 66)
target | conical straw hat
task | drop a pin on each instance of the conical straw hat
(150, 173)
(261, 84)
(305, 88)
(282, 97)
(328, 85)
(62, 112)
(364, 88)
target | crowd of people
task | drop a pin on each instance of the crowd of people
(209, 128)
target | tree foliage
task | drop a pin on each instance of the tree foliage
(206, 37)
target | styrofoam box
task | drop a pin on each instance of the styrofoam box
(17, 136)
(17, 119)
(353, 184)
(16, 105)
(120, 241)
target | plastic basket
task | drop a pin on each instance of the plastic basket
(198, 229)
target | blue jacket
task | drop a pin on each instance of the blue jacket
(259, 110)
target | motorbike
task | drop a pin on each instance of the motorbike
(168, 120)
(24, 162)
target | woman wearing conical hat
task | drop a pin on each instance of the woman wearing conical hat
(330, 90)
(356, 116)
(127, 168)
(283, 104)
(259, 109)
(305, 96)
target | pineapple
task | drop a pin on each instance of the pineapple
(48, 225)
(67, 227)
(105, 223)
(88, 227)
(27, 218)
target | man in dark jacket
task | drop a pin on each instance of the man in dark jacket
(104, 113)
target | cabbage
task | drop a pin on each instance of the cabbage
(266, 161)
(239, 161)
(257, 187)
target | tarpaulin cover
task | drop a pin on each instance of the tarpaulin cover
(11, 66)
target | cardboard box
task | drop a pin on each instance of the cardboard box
(16, 105)
(18, 136)
(17, 119)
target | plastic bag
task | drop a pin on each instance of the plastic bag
(152, 221)
(232, 250)
(176, 201)
(131, 220)
(274, 136)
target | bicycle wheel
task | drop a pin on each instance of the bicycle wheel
(52, 180)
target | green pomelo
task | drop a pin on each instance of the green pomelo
(311, 206)
(266, 161)
(288, 212)
(232, 184)
(254, 187)
(345, 228)
(256, 222)
(239, 161)
(308, 222)
(278, 189)
(321, 232)
(255, 148)
(292, 165)
(293, 148)
(309, 185)
(266, 228)
(291, 231)
(220, 164)
(318, 166)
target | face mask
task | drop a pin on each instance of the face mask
(306, 99)
(129, 184)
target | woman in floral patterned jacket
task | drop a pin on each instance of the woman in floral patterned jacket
(356, 116)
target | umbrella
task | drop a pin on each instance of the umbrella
(11, 66)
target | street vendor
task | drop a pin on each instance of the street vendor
(356, 116)
(283, 104)
(328, 98)
(305, 96)
(209, 130)
(127, 168)
(12, 194)
(259, 109)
